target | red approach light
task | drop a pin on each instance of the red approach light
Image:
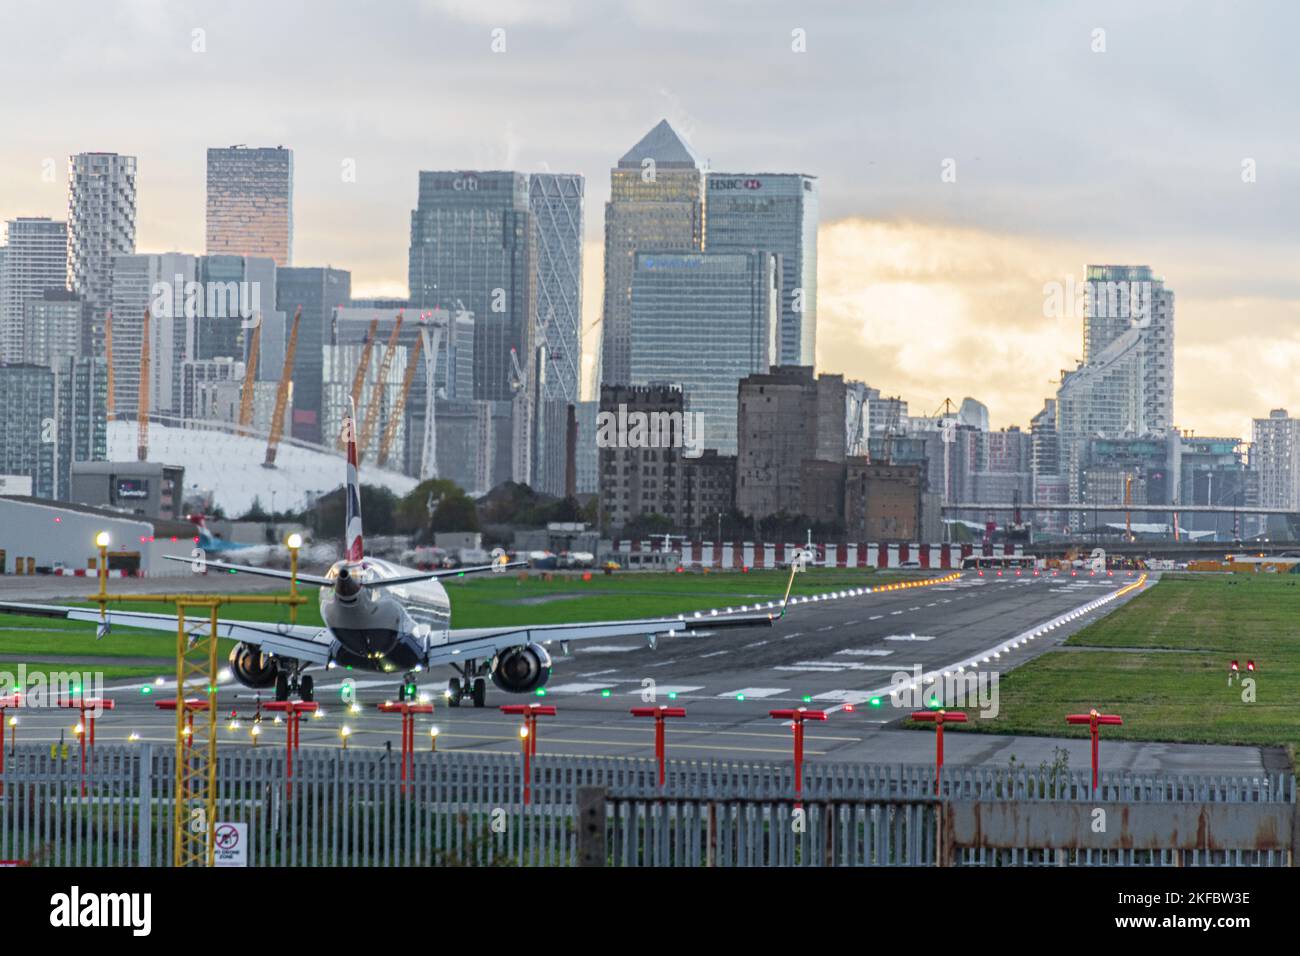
(1233, 667)
(1250, 666)
(848, 708)
(58, 521)
(981, 574)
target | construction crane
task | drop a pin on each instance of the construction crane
(282, 393)
(395, 415)
(250, 376)
(142, 396)
(377, 393)
(108, 352)
(359, 378)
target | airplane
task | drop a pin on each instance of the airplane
(252, 553)
(380, 616)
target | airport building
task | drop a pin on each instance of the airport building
(40, 536)
(144, 488)
(250, 203)
(775, 212)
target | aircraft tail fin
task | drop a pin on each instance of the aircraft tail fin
(354, 548)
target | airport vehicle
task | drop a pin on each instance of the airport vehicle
(999, 562)
(381, 616)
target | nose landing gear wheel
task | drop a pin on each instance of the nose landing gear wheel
(479, 692)
(453, 693)
(281, 687)
(306, 687)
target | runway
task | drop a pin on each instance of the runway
(838, 656)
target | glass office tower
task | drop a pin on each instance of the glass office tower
(775, 212)
(704, 321)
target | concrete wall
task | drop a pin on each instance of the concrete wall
(50, 534)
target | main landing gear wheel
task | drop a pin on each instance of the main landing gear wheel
(306, 687)
(479, 693)
(453, 693)
(281, 687)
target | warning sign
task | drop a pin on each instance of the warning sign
(231, 844)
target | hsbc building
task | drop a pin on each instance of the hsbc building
(776, 213)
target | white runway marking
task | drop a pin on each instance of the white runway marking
(830, 667)
(909, 637)
(575, 688)
(894, 613)
(607, 649)
(757, 693)
(844, 696)
(875, 617)
(755, 644)
(864, 652)
(714, 654)
(662, 690)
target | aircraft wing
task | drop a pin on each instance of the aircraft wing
(303, 642)
(471, 642)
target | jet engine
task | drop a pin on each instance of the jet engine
(521, 670)
(251, 667)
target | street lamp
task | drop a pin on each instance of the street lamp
(101, 543)
(293, 543)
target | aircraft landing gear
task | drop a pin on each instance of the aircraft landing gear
(291, 683)
(470, 684)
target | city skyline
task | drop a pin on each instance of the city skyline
(971, 257)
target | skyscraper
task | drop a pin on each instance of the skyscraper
(657, 202)
(81, 395)
(27, 425)
(319, 291)
(157, 282)
(250, 203)
(101, 223)
(57, 328)
(704, 321)
(775, 212)
(556, 203)
(473, 249)
(36, 260)
(1275, 456)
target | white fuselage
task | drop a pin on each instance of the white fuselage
(384, 628)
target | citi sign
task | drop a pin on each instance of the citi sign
(735, 184)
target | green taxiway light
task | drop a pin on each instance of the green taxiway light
(605, 692)
(875, 702)
(672, 695)
(541, 692)
(740, 697)
(807, 698)
(146, 690)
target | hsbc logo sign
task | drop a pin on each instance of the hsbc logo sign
(735, 184)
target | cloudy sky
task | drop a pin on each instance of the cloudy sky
(1160, 133)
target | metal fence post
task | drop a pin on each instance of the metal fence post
(591, 826)
(144, 781)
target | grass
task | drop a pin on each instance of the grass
(477, 601)
(1162, 661)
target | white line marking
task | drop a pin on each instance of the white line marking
(864, 652)
(909, 637)
(756, 692)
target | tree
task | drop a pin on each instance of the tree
(417, 507)
(455, 513)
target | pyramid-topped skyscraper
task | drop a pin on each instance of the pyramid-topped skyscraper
(656, 204)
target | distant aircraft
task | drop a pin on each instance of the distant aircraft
(384, 617)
